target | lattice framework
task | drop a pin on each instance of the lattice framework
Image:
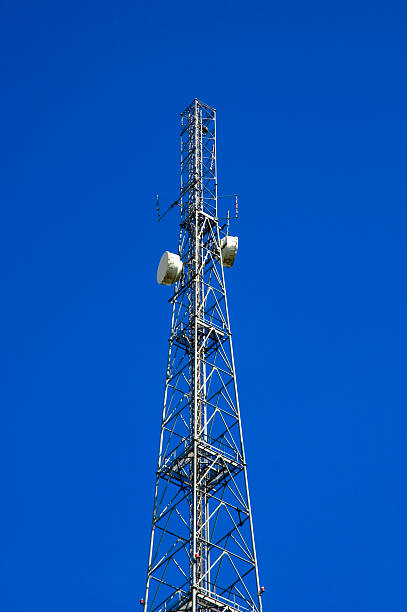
(202, 551)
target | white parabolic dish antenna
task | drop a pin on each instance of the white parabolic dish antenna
(169, 268)
(229, 245)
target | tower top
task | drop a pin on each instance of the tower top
(202, 104)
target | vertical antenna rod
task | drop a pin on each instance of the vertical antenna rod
(202, 553)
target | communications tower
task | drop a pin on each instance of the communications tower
(202, 554)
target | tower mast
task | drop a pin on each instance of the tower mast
(202, 553)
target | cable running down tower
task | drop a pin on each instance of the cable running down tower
(202, 553)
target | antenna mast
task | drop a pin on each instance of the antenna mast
(202, 553)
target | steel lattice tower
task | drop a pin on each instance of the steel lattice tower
(202, 553)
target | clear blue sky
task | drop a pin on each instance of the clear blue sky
(311, 100)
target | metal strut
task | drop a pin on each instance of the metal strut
(202, 552)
